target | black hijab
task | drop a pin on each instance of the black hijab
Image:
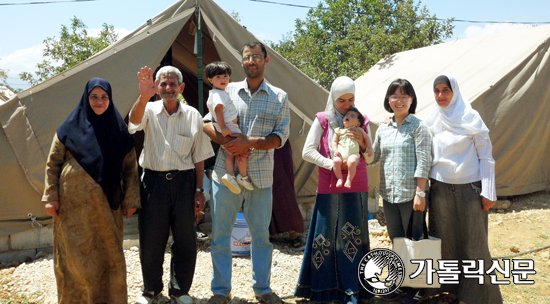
(99, 143)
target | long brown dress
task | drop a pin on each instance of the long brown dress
(89, 260)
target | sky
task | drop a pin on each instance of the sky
(24, 27)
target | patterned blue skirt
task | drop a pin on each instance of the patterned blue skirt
(337, 240)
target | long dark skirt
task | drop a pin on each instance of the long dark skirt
(456, 216)
(337, 240)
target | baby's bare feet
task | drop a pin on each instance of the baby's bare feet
(339, 183)
(348, 184)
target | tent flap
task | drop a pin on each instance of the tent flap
(21, 137)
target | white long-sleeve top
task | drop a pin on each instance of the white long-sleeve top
(311, 154)
(462, 159)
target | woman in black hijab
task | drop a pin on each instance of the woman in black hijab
(91, 181)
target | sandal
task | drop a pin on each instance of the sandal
(269, 298)
(201, 236)
(218, 299)
(297, 243)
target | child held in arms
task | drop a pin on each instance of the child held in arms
(222, 108)
(345, 148)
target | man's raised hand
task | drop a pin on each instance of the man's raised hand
(147, 87)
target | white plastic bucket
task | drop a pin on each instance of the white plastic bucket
(240, 238)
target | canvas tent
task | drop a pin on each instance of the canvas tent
(505, 77)
(30, 119)
(5, 94)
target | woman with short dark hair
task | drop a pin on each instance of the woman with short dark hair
(403, 148)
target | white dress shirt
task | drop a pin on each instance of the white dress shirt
(172, 142)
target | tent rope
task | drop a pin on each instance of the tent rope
(522, 253)
(34, 224)
(34, 221)
(301, 133)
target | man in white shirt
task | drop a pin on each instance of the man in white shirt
(173, 163)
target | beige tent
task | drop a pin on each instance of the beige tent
(505, 77)
(5, 94)
(30, 119)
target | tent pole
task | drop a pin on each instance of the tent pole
(199, 60)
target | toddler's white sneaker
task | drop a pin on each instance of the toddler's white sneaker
(231, 183)
(242, 180)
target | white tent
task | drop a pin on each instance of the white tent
(30, 119)
(505, 77)
(5, 94)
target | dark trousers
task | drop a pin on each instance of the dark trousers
(397, 219)
(398, 216)
(167, 204)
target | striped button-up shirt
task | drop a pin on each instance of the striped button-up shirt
(261, 114)
(172, 142)
(404, 153)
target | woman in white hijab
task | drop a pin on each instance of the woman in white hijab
(462, 190)
(338, 235)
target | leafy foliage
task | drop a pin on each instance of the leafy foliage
(4, 79)
(3, 76)
(73, 46)
(235, 15)
(347, 37)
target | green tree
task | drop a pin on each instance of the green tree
(3, 85)
(73, 46)
(235, 15)
(347, 37)
(3, 76)
(4, 80)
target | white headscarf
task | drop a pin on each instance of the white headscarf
(458, 116)
(340, 86)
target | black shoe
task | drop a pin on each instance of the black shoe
(201, 236)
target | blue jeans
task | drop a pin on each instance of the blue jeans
(257, 212)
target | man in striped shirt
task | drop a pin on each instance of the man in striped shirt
(173, 157)
(264, 121)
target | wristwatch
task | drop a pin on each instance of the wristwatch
(201, 190)
(421, 193)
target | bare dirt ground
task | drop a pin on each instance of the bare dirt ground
(524, 226)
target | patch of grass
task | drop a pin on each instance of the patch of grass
(21, 300)
(545, 236)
